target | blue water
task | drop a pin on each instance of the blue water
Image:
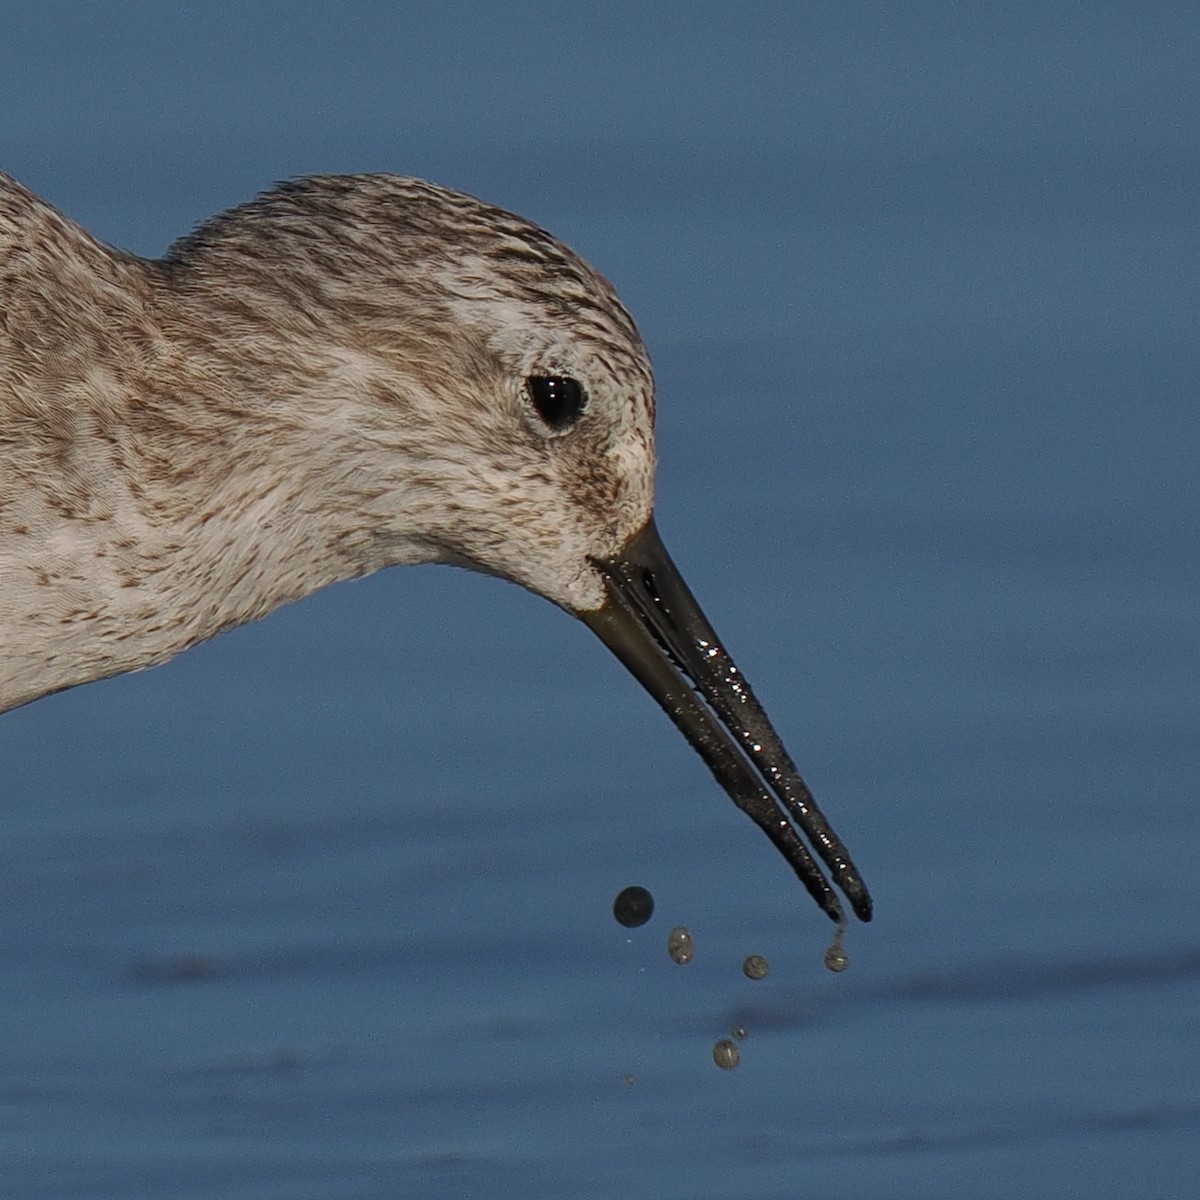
(322, 909)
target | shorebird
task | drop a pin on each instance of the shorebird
(344, 374)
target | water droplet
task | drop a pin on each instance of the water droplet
(679, 945)
(726, 1054)
(633, 906)
(836, 959)
(755, 967)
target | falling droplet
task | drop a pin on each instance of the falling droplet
(755, 967)
(679, 945)
(726, 1054)
(633, 906)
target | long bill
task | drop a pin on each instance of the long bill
(653, 624)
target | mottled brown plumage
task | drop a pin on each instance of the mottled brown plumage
(323, 382)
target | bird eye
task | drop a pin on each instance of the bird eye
(559, 399)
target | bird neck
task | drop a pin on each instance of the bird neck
(171, 473)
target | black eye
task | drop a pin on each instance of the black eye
(559, 399)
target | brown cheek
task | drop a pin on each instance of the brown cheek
(596, 487)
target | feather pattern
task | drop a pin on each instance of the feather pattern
(325, 381)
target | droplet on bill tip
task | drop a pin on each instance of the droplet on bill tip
(836, 959)
(679, 945)
(633, 906)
